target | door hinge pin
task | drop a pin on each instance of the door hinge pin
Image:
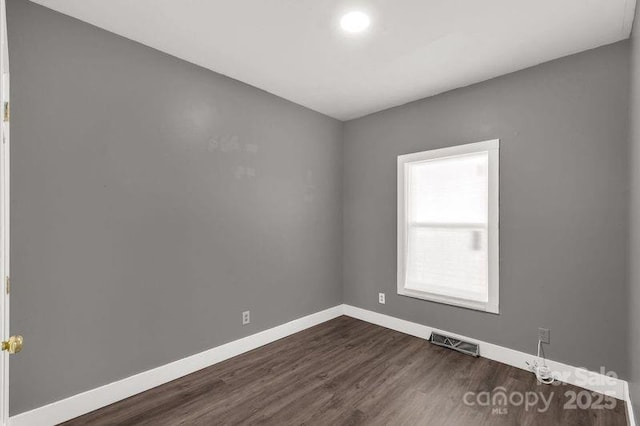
(8, 284)
(7, 111)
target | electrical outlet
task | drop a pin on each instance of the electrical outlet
(543, 335)
(381, 298)
(246, 317)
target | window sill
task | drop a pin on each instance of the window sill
(469, 304)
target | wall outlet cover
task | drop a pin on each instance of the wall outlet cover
(246, 317)
(544, 335)
(381, 298)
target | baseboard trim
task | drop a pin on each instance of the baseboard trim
(583, 378)
(93, 399)
(631, 418)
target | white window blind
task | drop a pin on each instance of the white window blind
(447, 225)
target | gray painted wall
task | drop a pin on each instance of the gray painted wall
(634, 253)
(138, 232)
(563, 210)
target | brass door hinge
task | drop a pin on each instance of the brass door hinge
(7, 284)
(7, 111)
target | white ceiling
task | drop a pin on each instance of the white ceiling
(413, 48)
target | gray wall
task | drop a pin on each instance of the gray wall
(138, 236)
(563, 208)
(634, 253)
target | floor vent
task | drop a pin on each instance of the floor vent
(455, 344)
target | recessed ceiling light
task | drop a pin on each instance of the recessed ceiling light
(355, 22)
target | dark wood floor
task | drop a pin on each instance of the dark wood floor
(349, 372)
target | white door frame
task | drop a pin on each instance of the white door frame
(4, 214)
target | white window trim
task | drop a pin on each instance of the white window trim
(493, 149)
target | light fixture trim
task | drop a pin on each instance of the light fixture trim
(355, 21)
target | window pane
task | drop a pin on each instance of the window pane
(448, 261)
(449, 190)
(447, 212)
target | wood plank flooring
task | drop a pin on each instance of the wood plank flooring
(349, 372)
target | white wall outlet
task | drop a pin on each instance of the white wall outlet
(543, 335)
(381, 298)
(246, 317)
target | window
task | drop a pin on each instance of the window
(448, 225)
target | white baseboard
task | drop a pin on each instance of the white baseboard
(589, 380)
(630, 415)
(94, 399)
(91, 400)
